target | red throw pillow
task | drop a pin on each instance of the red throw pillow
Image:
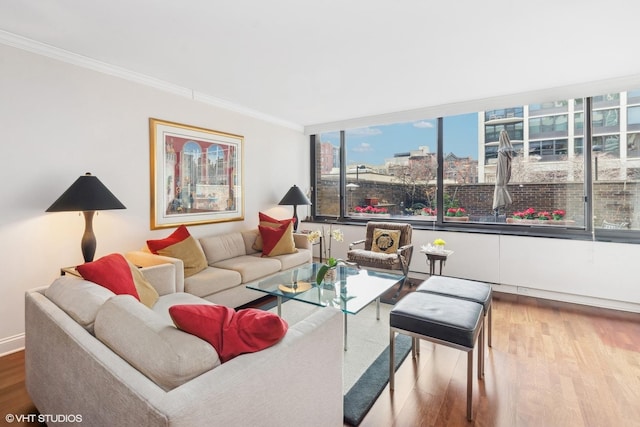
(277, 241)
(267, 221)
(177, 236)
(112, 272)
(231, 333)
(180, 244)
(272, 222)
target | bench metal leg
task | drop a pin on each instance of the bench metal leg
(481, 354)
(392, 353)
(490, 322)
(469, 384)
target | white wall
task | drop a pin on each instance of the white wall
(59, 121)
(601, 274)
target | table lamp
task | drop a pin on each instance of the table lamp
(295, 197)
(86, 194)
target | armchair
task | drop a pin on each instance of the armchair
(373, 256)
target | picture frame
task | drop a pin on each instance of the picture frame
(197, 175)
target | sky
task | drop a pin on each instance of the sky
(373, 144)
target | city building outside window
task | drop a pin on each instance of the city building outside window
(391, 171)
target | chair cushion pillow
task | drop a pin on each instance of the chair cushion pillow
(180, 244)
(386, 241)
(277, 241)
(231, 333)
(111, 271)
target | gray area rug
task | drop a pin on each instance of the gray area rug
(366, 390)
(366, 361)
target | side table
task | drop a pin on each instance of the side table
(69, 270)
(433, 256)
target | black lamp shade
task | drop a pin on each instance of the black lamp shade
(295, 197)
(88, 195)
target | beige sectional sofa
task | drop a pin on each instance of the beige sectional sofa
(232, 263)
(111, 360)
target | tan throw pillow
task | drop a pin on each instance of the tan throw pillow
(385, 241)
(180, 244)
(147, 293)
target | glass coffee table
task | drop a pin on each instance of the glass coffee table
(352, 290)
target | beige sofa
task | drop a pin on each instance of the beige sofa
(113, 361)
(232, 263)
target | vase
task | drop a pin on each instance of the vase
(331, 276)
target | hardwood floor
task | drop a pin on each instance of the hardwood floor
(551, 364)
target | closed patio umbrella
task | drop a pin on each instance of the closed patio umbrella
(501, 196)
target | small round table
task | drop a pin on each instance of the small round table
(433, 256)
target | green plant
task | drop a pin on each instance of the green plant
(331, 263)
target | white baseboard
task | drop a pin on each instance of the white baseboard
(555, 296)
(12, 344)
(569, 298)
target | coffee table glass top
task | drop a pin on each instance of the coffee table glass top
(352, 290)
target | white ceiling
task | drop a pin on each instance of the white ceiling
(308, 63)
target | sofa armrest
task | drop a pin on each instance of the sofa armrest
(147, 259)
(301, 241)
(162, 277)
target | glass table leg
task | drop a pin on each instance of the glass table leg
(345, 331)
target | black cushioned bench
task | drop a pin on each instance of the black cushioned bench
(470, 290)
(445, 320)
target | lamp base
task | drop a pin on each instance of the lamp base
(295, 216)
(88, 243)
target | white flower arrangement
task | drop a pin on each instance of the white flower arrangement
(336, 235)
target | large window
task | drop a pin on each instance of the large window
(412, 172)
(327, 194)
(390, 170)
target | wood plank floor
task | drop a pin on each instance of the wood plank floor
(551, 364)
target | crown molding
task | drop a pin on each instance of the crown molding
(43, 49)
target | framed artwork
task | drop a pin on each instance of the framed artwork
(196, 175)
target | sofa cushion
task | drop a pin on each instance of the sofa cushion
(385, 241)
(151, 344)
(250, 237)
(302, 256)
(267, 221)
(251, 267)
(179, 298)
(180, 244)
(223, 246)
(212, 280)
(231, 333)
(277, 241)
(111, 271)
(79, 298)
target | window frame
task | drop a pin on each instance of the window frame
(588, 232)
